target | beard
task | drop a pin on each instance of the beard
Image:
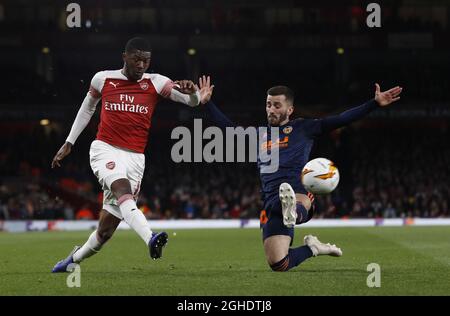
(276, 121)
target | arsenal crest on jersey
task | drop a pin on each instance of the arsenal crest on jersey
(110, 165)
(144, 85)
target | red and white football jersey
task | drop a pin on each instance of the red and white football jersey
(127, 106)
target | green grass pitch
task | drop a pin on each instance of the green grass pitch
(413, 261)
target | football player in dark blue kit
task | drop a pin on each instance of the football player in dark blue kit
(286, 202)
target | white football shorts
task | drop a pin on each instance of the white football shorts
(110, 163)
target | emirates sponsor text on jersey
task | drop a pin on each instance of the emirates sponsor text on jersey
(126, 105)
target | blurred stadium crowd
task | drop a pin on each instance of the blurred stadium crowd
(388, 173)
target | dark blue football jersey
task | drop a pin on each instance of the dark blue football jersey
(295, 141)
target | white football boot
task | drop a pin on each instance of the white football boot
(288, 204)
(319, 248)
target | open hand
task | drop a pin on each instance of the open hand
(387, 97)
(206, 89)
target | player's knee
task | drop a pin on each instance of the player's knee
(280, 266)
(121, 187)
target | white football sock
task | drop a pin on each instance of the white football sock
(134, 217)
(91, 247)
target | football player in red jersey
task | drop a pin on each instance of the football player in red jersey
(128, 98)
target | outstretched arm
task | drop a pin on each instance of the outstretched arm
(84, 115)
(381, 99)
(212, 110)
(336, 121)
(82, 119)
(217, 116)
(185, 91)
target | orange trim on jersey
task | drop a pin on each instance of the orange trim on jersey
(263, 217)
(279, 143)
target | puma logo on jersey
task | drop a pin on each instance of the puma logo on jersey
(114, 84)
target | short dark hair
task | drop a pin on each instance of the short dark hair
(282, 90)
(137, 43)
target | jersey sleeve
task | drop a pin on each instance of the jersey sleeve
(87, 108)
(163, 85)
(315, 127)
(312, 127)
(330, 123)
(97, 82)
(165, 88)
(217, 117)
